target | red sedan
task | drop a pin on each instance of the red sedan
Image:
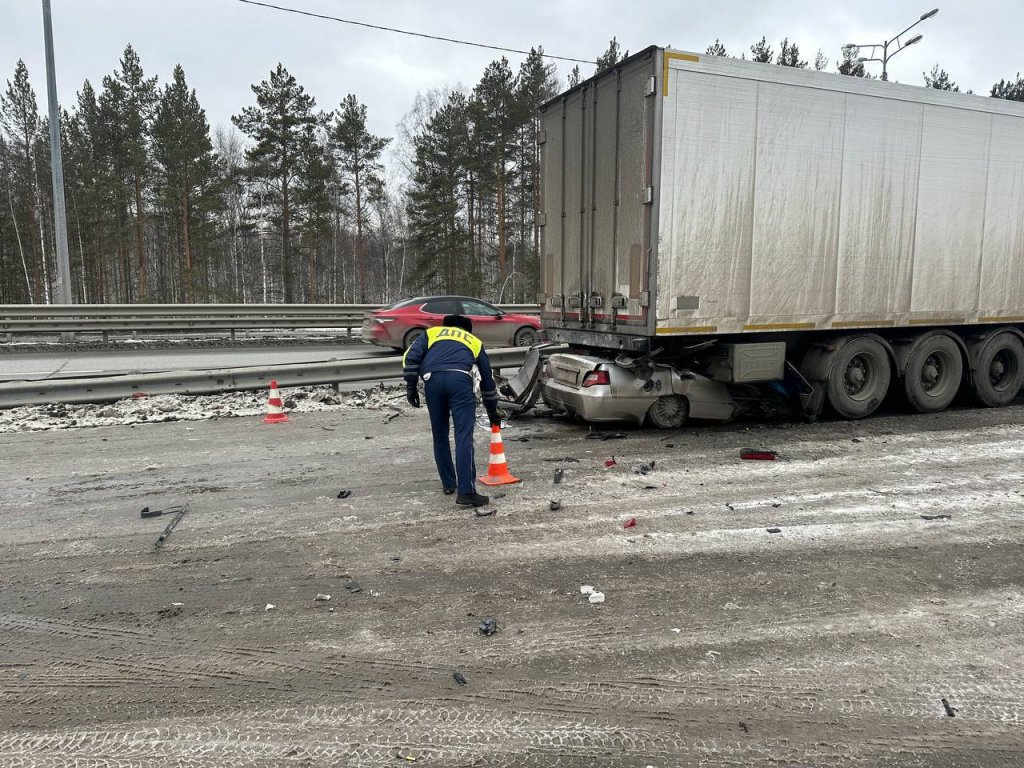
(398, 325)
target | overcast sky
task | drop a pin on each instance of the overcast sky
(225, 46)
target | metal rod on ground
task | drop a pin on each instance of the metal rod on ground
(57, 170)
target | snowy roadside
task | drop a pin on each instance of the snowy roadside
(162, 408)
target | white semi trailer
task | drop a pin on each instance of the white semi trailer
(721, 234)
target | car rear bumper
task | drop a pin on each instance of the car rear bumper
(595, 403)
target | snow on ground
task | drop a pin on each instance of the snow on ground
(159, 408)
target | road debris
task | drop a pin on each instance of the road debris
(488, 627)
(936, 517)
(182, 511)
(744, 727)
(484, 513)
(554, 505)
(596, 597)
(559, 474)
(598, 435)
(609, 462)
(950, 710)
(147, 512)
(644, 469)
(758, 454)
(631, 523)
(322, 597)
(567, 459)
(344, 493)
(270, 607)
(774, 530)
(353, 587)
(460, 678)
(586, 589)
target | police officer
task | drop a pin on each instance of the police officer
(444, 357)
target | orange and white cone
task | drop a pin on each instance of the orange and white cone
(497, 467)
(275, 408)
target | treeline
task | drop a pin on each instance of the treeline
(292, 203)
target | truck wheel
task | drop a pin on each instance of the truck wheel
(411, 336)
(999, 370)
(525, 337)
(668, 412)
(859, 378)
(933, 374)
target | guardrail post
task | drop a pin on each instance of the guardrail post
(106, 337)
(232, 334)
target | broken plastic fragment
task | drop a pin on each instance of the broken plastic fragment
(459, 678)
(270, 607)
(596, 597)
(609, 463)
(586, 589)
(488, 627)
(353, 587)
(555, 504)
(631, 523)
(774, 530)
(322, 597)
(758, 454)
(344, 493)
(559, 474)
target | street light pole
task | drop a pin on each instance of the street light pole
(60, 224)
(900, 45)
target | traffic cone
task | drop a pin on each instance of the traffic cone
(497, 467)
(275, 409)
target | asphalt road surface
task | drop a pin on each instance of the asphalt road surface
(71, 361)
(859, 634)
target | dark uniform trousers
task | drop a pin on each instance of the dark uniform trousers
(452, 392)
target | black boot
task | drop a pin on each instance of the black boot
(471, 500)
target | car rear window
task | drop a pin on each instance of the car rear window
(442, 307)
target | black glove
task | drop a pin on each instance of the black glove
(412, 395)
(495, 417)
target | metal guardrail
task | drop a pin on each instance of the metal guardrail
(108, 388)
(131, 318)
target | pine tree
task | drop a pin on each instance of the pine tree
(849, 65)
(610, 57)
(182, 147)
(357, 152)
(1009, 89)
(939, 80)
(19, 118)
(134, 112)
(820, 62)
(436, 197)
(717, 49)
(762, 52)
(789, 56)
(574, 77)
(495, 132)
(283, 126)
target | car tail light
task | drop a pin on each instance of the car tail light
(384, 319)
(594, 378)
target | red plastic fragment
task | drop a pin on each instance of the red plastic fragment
(631, 523)
(758, 454)
(609, 463)
(139, 395)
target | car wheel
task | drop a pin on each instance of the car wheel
(525, 337)
(411, 336)
(668, 412)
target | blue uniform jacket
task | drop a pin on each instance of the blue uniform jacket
(450, 349)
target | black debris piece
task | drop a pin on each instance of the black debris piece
(936, 517)
(388, 417)
(950, 710)
(555, 504)
(344, 493)
(598, 435)
(670, 445)
(147, 512)
(353, 587)
(182, 510)
(645, 469)
(650, 487)
(499, 495)
(776, 505)
(568, 459)
(396, 559)
(744, 727)
(689, 511)
(484, 512)
(559, 474)
(460, 678)
(488, 627)
(774, 530)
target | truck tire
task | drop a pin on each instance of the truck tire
(859, 378)
(933, 374)
(999, 370)
(668, 412)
